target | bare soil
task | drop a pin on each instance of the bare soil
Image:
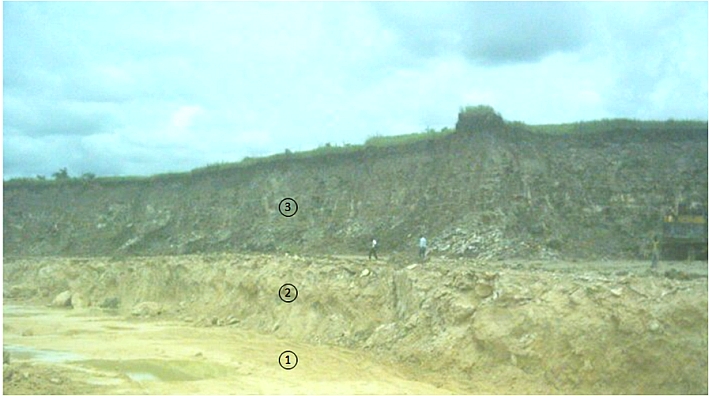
(214, 324)
(112, 355)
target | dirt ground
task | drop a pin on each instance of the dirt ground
(90, 352)
(216, 325)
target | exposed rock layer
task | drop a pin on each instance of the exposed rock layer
(506, 194)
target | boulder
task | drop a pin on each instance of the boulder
(147, 308)
(62, 299)
(7, 372)
(111, 303)
(483, 290)
(78, 301)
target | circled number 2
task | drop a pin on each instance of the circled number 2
(288, 293)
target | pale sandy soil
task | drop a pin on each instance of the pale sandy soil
(103, 354)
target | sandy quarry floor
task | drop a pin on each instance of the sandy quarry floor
(91, 352)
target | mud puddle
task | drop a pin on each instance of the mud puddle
(135, 369)
(21, 352)
(160, 370)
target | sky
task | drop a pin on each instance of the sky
(141, 88)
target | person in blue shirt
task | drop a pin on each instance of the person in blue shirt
(422, 248)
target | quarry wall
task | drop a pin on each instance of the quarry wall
(482, 195)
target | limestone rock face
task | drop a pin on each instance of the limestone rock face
(492, 191)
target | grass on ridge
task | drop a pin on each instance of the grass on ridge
(585, 127)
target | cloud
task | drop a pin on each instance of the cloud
(41, 117)
(657, 55)
(489, 33)
(31, 156)
(144, 87)
(185, 115)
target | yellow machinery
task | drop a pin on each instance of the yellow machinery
(684, 232)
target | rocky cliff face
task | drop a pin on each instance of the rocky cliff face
(503, 194)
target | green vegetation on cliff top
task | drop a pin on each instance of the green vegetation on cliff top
(470, 120)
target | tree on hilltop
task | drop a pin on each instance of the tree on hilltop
(478, 118)
(61, 174)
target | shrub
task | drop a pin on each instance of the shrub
(61, 174)
(477, 118)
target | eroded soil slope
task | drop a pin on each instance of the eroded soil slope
(459, 326)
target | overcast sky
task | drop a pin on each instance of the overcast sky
(126, 88)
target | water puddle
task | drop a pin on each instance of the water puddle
(139, 370)
(160, 370)
(19, 352)
(20, 311)
(120, 328)
(141, 376)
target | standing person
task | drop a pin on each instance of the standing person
(655, 252)
(373, 250)
(422, 248)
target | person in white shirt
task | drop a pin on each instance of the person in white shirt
(373, 250)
